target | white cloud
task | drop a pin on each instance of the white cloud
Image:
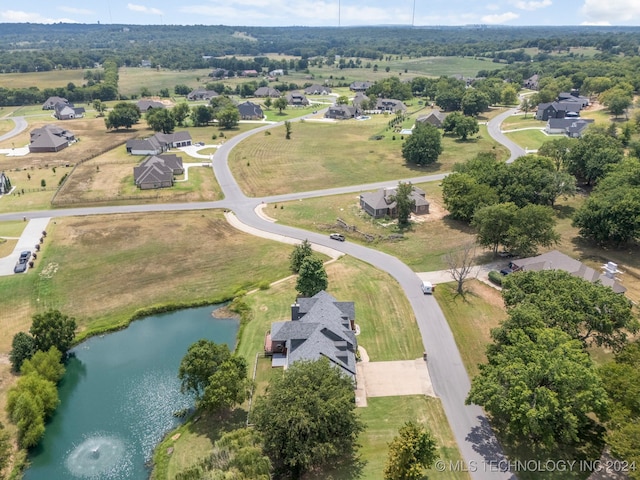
(531, 5)
(500, 18)
(596, 24)
(143, 9)
(17, 16)
(613, 11)
(77, 11)
(493, 7)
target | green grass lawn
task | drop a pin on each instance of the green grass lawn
(274, 115)
(42, 80)
(518, 121)
(530, 139)
(132, 79)
(12, 228)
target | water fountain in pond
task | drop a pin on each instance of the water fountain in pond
(99, 456)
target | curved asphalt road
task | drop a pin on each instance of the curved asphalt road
(20, 125)
(493, 127)
(478, 446)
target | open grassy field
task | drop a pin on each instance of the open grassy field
(5, 125)
(42, 80)
(518, 121)
(273, 115)
(132, 79)
(29, 194)
(332, 154)
(530, 139)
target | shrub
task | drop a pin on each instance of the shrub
(495, 277)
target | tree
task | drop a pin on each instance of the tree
(201, 115)
(267, 102)
(180, 113)
(558, 151)
(202, 360)
(124, 114)
(281, 104)
(287, 129)
(46, 364)
(312, 277)
(404, 203)
(541, 386)
(509, 95)
(99, 107)
(228, 117)
(181, 89)
(410, 452)
(424, 145)
(617, 99)
(492, 224)
(460, 125)
(23, 347)
(161, 120)
(460, 265)
(463, 195)
(43, 390)
(5, 448)
(532, 227)
(593, 155)
(342, 100)
(227, 386)
(474, 102)
(588, 312)
(29, 417)
(298, 254)
(292, 417)
(53, 329)
(526, 105)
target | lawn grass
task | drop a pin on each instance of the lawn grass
(321, 155)
(531, 139)
(132, 79)
(274, 115)
(518, 121)
(423, 246)
(12, 228)
(471, 319)
(42, 80)
(385, 415)
(5, 125)
(29, 194)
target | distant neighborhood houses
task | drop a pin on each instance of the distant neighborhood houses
(63, 109)
(297, 99)
(317, 90)
(157, 171)
(342, 112)
(532, 82)
(360, 86)
(572, 127)
(435, 118)
(390, 105)
(50, 138)
(159, 143)
(145, 105)
(381, 203)
(320, 326)
(250, 111)
(202, 94)
(267, 92)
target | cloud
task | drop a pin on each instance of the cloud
(596, 24)
(531, 5)
(493, 7)
(17, 16)
(77, 11)
(500, 18)
(143, 9)
(612, 11)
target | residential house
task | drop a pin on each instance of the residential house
(554, 260)
(157, 171)
(5, 184)
(145, 63)
(159, 143)
(320, 326)
(390, 105)
(359, 99)
(381, 203)
(50, 138)
(51, 102)
(572, 127)
(219, 73)
(342, 112)
(202, 94)
(249, 73)
(557, 110)
(250, 111)
(278, 72)
(145, 105)
(64, 111)
(532, 82)
(574, 96)
(360, 86)
(267, 92)
(316, 89)
(435, 118)
(297, 99)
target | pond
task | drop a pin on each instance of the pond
(118, 397)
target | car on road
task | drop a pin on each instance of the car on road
(25, 256)
(20, 267)
(337, 236)
(427, 287)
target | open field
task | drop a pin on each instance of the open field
(531, 139)
(132, 79)
(273, 114)
(42, 80)
(332, 154)
(5, 125)
(29, 194)
(518, 121)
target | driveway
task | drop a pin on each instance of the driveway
(28, 240)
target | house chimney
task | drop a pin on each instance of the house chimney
(295, 311)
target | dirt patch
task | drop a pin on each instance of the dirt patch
(488, 294)
(224, 312)
(391, 379)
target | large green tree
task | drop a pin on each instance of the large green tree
(463, 195)
(410, 453)
(424, 145)
(203, 359)
(591, 157)
(474, 102)
(180, 113)
(228, 117)
(280, 103)
(532, 226)
(53, 329)
(460, 125)
(307, 418)
(28, 415)
(541, 386)
(312, 277)
(23, 347)
(492, 224)
(227, 386)
(160, 120)
(123, 114)
(298, 254)
(201, 115)
(404, 202)
(46, 364)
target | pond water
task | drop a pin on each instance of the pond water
(118, 397)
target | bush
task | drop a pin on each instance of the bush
(264, 285)
(495, 277)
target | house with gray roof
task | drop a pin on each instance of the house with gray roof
(250, 111)
(64, 111)
(390, 105)
(159, 143)
(572, 127)
(317, 89)
(51, 102)
(267, 92)
(435, 118)
(157, 171)
(360, 86)
(320, 326)
(554, 260)
(342, 112)
(50, 138)
(381, 203)
(359, 99)
(297, 99)
(532, 82)
(202, 94)
(145, 105)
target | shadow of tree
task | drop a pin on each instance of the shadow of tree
(343, 468)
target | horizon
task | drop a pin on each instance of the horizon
(332, 13)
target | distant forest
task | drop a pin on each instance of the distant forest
(36, 47)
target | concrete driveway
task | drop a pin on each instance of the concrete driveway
(27, 241)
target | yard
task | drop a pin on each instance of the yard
(531, 139)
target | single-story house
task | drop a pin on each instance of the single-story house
(320, 326)
(316, 89)
(202, 94)
(554, 260)
(51, 102)
(532, 82)
(278, 72)
(297, 99)
(249, 73)
(219, 73)
(267, 92)
(435, 118)
(390, 105)
(159, 143)
(381, 203)
(64, 111)
(250, 111)
(5, 184)
(145, 105)
(360, 86)
(157, 171)
(342, 112)
(50, 138)
(572, 127)
(359, 99)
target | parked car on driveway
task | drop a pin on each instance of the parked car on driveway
(20, 267)
(25, 256)
(506, 271)
(337, 236)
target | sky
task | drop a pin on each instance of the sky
(325, 12)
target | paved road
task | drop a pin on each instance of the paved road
(20, 125)
(493, 127)
(477, 444)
